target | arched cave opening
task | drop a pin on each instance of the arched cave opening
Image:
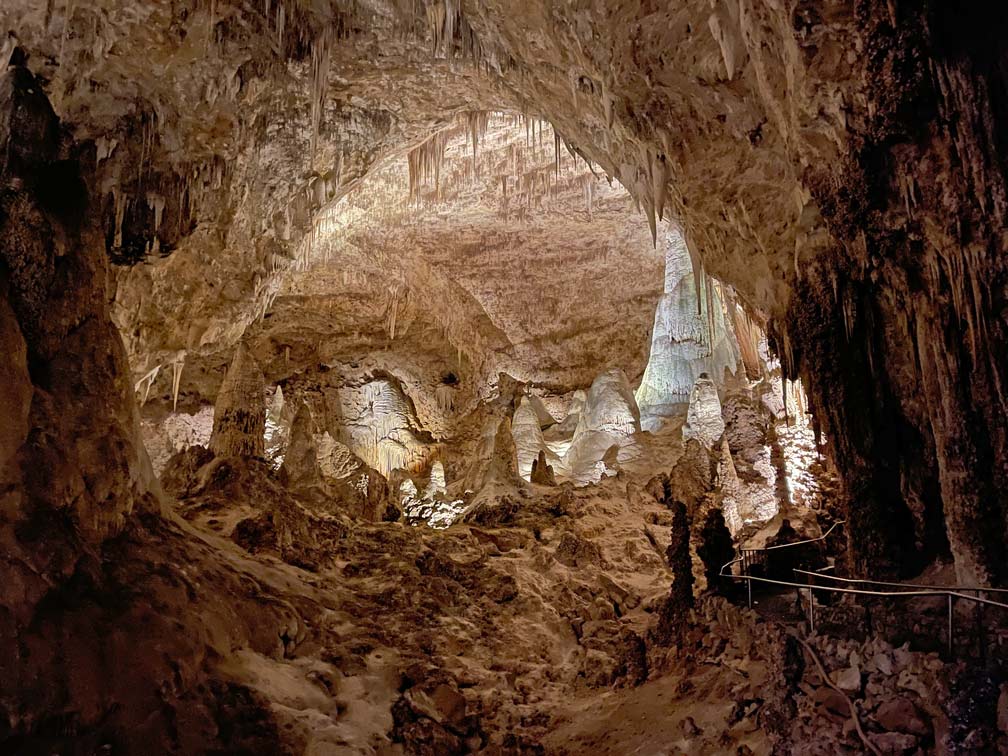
(434, 378)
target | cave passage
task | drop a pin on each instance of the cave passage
(467, 376)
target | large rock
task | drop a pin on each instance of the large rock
(240, 410)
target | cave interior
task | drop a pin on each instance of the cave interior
(503, 377)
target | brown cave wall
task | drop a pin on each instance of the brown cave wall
(72, 469)
(107, 643)
(79, 453)
(900, 331)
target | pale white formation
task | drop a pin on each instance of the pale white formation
(690, 337)
(746, 503)
(433, 506)
(437, 485)
(176, 432)
(278, 424)
(703, 418)
(382, 428)
(558, 437)
(608, 418)
(528, 436)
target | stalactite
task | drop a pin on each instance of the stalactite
(177, 365)
(149, 379)
(476, 128)
(319, 72)
(425, 161)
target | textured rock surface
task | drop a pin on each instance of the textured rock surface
(703, 418)
(690, 337)
(300, 466)
(240, 411)
(348, 191)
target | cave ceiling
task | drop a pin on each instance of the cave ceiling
(223, 129)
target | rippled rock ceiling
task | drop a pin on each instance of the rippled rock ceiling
(218, 171)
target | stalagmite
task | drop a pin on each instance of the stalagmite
(690, 337)
(703, 419)
(496, 461)
(300, 466)
(240, 412)
(437, 485)
(609, 417)
(541, 473)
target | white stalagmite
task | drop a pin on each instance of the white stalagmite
(690, 337)
(527, 431)
(703, 419)
(608, 418)
(437, 485)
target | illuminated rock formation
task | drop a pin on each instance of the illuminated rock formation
(703, 418)
(608, 418)
(382, 428)
(690, 337)
(526, 427)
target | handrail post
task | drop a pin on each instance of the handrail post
(811, 611)
(951, 648)
(981, 629)
(748, 583)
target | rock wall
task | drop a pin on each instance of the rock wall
(71, 438)
(72, 467)
(912, 289)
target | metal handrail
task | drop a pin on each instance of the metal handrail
(949, 595)
(948, 592)
(746, 552)
(908, 585)
(807, 540)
